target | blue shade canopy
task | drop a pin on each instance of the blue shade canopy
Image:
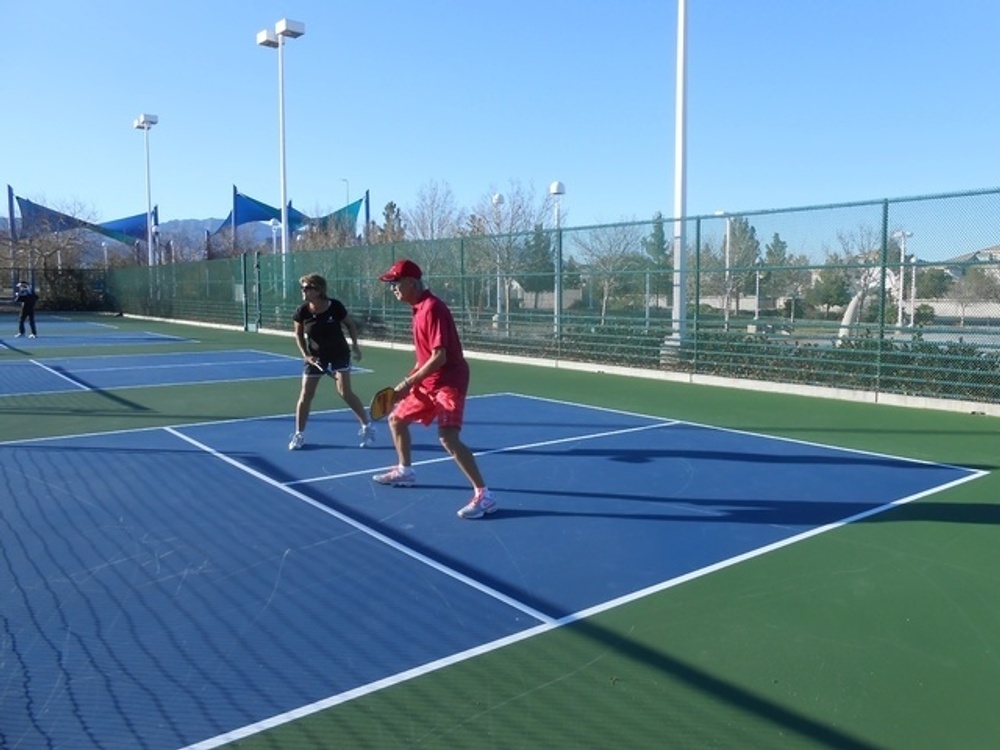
(344, 220)
(247, 210)
(37, 220)
(129, 229)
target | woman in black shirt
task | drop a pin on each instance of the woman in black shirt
(319, 324)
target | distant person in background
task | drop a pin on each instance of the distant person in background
(319, 324)
(25, 296)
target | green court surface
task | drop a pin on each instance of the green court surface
(884, 633)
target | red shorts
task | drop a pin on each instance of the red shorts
(446, 405)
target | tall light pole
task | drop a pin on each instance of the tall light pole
(557, 190)
(285, 28)
(756, 288)
(729, 244)
(497, 203)
(913, 291)
(144, 123)
(679, 312)
(347, 190)
(900, 236)
(726, 261)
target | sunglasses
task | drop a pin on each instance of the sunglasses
(307, 287)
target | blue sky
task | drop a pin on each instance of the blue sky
(791, 102)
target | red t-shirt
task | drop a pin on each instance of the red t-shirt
(434, 328)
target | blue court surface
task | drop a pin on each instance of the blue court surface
(67, 374)
(186, 586)
(66, 332)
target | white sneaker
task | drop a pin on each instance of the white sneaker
(478, 506)
(31, 336)
(18, 335)
(397, 477)
(297, 441)
(366, 435)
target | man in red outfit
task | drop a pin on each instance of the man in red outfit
(435, 389)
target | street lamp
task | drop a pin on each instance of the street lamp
(285, 28)
(157, 258)
(557, 190)
(144, 123)
(347, 190)
(275, 226)
(901, 236)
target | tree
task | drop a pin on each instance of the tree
(434, 216)
(975, 285)
(774, 260)
(933, 283)
(537, 262)
(659, 249)
(504, 218)
(613, 255)
(860, 262)
(326, 234)
(832, 287)
(393, 228)
(783, 274)
(656, 243)
(744, 251)
(519, 211)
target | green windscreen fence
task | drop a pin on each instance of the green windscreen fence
(895, 296)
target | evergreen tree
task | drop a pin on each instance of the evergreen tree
(393, 228)
(655, 244)
(537, 262)
(934, 283)
(832, 288)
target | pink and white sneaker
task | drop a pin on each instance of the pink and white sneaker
(397, 476)
(479, 506)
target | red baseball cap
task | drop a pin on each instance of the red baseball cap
(402, 269)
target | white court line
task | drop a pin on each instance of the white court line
(761, 435)
(67, 378)
(508, 449)
(547, 625)
(184, 365)
(276, 359)
(424, 559)
(152, 355)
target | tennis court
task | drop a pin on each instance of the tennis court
(194, 583)
(74, 331)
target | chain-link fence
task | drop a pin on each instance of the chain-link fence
(895, 296)
(58, 288)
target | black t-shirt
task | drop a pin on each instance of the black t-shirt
(324, 331)
(25, 297)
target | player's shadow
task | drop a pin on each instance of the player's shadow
(833, 457)
(790, 512)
